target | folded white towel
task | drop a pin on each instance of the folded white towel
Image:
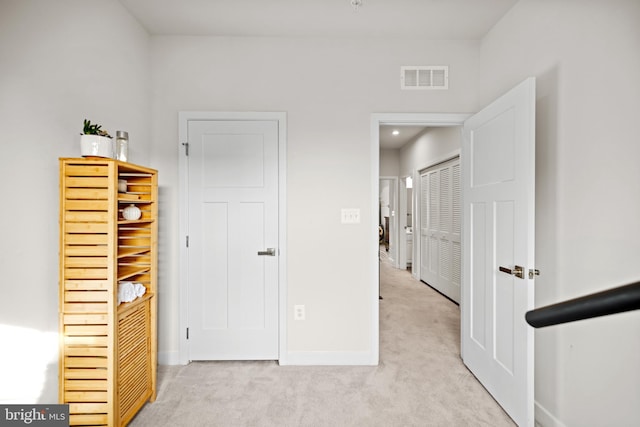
(128, 291)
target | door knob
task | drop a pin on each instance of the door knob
(268, 252)
(517, 271)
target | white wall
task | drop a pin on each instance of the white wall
(389, 162)
(60, 62)
(585, 55)
(435, 144)
(329, 89)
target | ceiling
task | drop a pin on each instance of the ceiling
(430, 19)
(406, 133)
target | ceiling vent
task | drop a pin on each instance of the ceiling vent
(424, 77)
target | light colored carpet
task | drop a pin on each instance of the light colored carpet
(420, 381)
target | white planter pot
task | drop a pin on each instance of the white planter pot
(96, 146)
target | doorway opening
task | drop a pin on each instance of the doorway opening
(399, 119)
(498, 170)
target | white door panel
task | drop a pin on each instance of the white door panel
(233, 215)
(498, 155)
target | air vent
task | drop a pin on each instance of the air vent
(424, 77)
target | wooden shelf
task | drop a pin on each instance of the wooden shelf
(107, 348)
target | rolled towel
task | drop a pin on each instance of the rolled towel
(139, 289)
(126, 292)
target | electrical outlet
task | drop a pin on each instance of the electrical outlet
(298, 312)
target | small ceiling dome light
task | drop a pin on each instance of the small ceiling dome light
(395, 132)
(356, 4)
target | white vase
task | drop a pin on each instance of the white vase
(131, 213)
(96, 146)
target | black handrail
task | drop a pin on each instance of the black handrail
(612, 301)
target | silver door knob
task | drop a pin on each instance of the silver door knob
(517, 271)
(268, 252)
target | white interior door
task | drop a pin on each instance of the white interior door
(233, 240)
(498, 158)
(440, 225)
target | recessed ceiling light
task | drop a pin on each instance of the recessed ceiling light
(395, 132)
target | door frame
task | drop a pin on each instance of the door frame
(183, 214)
(378, 119)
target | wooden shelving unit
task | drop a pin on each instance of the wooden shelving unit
(108, 352)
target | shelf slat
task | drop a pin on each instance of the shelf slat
(128, 196)
(128, 252)
(126, 272)
(135, 221)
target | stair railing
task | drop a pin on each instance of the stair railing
(612, 301)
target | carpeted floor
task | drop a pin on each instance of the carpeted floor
(420, 381)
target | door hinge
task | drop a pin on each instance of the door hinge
(187, 241)
(187, 333)
(186, 148)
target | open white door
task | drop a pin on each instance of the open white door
(498, 164)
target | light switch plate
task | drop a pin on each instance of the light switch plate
(351, 216)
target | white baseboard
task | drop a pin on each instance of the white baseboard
(321, 358)
(544, 418)
(310, 358)
(168, 358)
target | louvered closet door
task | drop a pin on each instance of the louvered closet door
(440, 208)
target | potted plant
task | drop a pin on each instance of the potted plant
(95, 141)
